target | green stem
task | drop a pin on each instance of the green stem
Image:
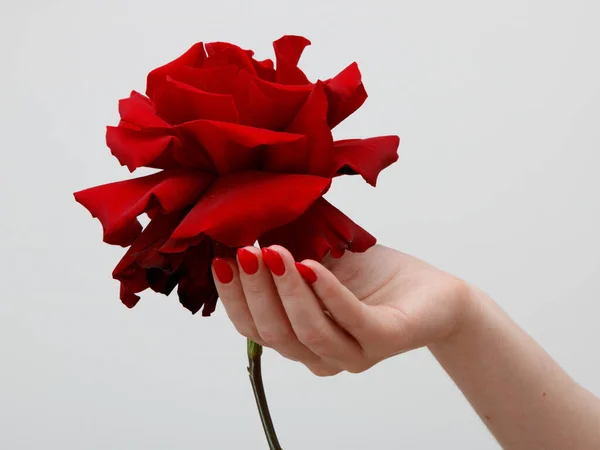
(255, 374)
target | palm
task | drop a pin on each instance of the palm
(406, 293)
(367, 274)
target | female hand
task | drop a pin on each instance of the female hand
(351, 313)
(347, 314)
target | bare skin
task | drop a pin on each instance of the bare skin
(364, 308)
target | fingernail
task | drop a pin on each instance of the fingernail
(273, 261)
(307, 273)
(248, 261)
(222, 270)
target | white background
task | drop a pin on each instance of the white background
(498, 107)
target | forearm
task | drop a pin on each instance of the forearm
(524, 397)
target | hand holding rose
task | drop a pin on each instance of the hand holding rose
(347, 314)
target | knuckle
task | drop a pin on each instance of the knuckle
(321, 370)
(313, 338)
(357, 367)
(247, 331)
(253, 291)
(328, 290)
(457, 288)
(276, 338)
(354, 322)
(288, 355)
(288, 289)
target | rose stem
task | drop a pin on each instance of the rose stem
(255, 374)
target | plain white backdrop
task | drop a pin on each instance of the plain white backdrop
(498, 107)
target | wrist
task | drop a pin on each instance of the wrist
(471, 305)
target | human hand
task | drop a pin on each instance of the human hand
(345, 314)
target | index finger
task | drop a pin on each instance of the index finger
(344, 307)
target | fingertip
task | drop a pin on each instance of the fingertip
(321, 272)
(273, 260)
(249, 249)
(248, 260)
(277, 248)
(280, 251)
(307, 273)
(342, 305)
(222, 270)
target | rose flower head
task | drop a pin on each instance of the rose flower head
(245, 153)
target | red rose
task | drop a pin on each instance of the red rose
(246, 153)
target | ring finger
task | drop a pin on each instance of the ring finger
(266, 308)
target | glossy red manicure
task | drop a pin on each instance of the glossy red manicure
(273, 261)
(248, 261)
(307, 273)
(222, 270)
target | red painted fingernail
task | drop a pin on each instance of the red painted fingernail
(248, 261)
(307, 273)
(222, 270)
(273, 261)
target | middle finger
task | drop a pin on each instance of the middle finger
(267, 310)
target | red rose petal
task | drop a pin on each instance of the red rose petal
(143, 266)
(224, 53)
(268, 105)
(321, 229)
(191, 271)
(142, 137)
(367, 157)
(161, 282)
(255, 108)
(288, 50)
(137, 148)
(216, 80)
(265, 70)
(194, 57)
(346, 94)
(139, 111)
(285, 93)
(129, 289)
(144, 251)
(179, 102)
(289, 157)
(240, 207)
(258, 139)
(196, 285)
(192, 156)
(117, 205)
(311, 121)
(233, 147)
